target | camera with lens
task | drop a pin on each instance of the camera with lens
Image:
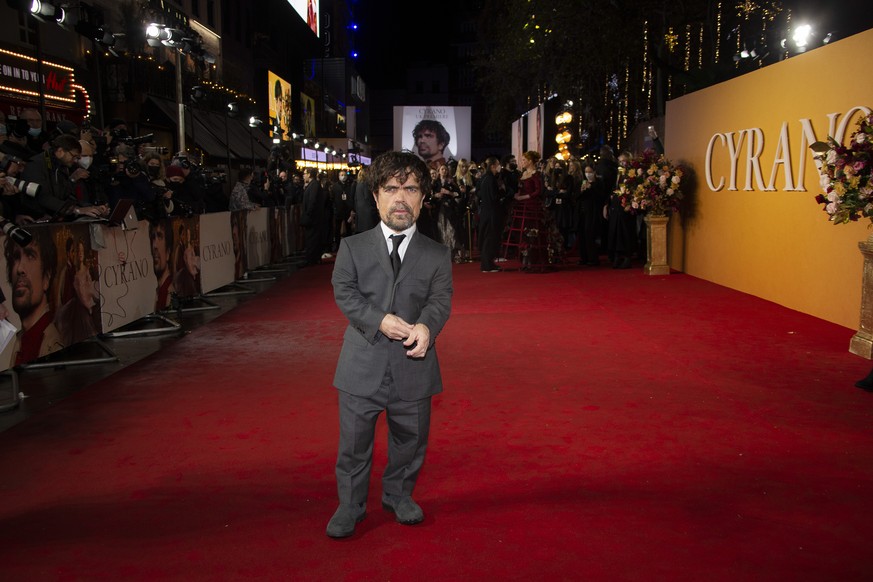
(29, 188)
(122, 136)
(156, 150)
(132, 167)
(9, 160)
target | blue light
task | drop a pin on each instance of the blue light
(354, 26)
(354, 54)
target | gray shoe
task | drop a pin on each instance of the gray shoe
(344, 520)
(405, 509)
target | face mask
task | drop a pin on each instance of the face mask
(589, 177)
(34, 131)
(85, 161)
(174, 186)
(154, 171)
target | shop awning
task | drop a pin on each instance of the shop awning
(195, 130)
(243, 141)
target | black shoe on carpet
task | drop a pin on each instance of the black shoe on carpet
(404, 508)
(344, 520)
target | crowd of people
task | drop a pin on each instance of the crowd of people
(557, 210)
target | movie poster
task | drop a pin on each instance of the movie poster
(127, 274)
(307, 115)
(436, 134)
(216, 251)
(258, 237)
(279, 103)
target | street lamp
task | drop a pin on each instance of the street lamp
(162, 35)
(253, 123)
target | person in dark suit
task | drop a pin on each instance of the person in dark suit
(366, 213)
(312, 217)
(395, 287)
(490, 218)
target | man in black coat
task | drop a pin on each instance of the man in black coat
(312, 217)
(366, 213)
(343, 204)
(490, 216)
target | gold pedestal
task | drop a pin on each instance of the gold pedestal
(862, 341)
(656, 244)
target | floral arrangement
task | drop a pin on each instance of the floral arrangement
(649, 183)
(846, 175)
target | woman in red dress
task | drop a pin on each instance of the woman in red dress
(529, 217)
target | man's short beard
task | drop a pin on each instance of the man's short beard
(396, 224)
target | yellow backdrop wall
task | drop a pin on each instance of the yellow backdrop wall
(764, 234)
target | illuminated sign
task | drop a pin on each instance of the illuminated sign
(19, 74)
(279, 99)
(308, 11)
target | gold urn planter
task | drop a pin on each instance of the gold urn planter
(656, 245)
(862, 341)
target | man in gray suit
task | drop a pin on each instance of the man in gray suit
(395, 287)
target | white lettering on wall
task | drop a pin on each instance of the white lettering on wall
(728, 146)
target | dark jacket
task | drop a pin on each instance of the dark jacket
(366, 213)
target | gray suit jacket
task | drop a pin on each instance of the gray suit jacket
(365, 291)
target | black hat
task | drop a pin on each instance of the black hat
(115, 122)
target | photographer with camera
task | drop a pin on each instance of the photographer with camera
(86, 187)
(192, 195)
(16, 139)
(37, 137)
(163, 205)
(53, 171)
(130, 182)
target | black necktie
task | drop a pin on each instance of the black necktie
(396, 239)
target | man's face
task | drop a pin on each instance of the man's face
(68, 157)
(29, 284)
(428, 147)
(33, 119)
(159, 250)
(399, 204)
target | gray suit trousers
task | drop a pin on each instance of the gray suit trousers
(408, 429)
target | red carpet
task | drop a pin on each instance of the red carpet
(596, 425)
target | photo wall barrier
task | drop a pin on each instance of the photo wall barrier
(216, 251)
(751, 221)
(75, 281)
(127, 274)
(258, 238)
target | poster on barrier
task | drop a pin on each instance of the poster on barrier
(50, 292)
(216, 251)
(258, 237)
(238, 231)
(278, 234)
(128, 269)
(185, 261)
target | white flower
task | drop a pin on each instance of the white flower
(670, 191)
(831, 158)
(675, 180)
(860, 137)
(831, 208)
